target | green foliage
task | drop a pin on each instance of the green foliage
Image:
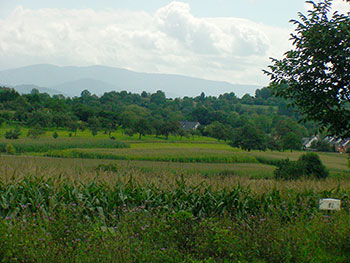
(314, 75)
(145, 114)
(248, 138)
(289, 170)
(13, 134)
(308, 165)
(2, 120)
(35, 133)
(55, 135)
(322, 146)
(9, 149)
(313, 166)
(219, 131)
(130, 223)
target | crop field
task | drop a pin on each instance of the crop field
(165, 201)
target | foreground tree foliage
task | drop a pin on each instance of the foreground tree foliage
(315, 75)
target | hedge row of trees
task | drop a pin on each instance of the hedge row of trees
(263, 117)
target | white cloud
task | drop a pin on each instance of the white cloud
(172, 40)
(341, 6)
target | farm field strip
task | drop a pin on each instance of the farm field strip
(256, 176)
(330, 160)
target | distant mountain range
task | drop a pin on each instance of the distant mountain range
(71, 81)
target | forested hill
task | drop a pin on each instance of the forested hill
(223, 117)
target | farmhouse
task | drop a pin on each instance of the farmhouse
(189, 125)
(340, 145)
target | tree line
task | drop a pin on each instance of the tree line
(251, 122)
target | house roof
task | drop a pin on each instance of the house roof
(189, 125)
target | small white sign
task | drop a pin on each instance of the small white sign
(329, 204)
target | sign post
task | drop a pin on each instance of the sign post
(329, 204)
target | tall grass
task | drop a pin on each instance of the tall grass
(46, 144)
(38, 194)
(76, 210)
(190, 158)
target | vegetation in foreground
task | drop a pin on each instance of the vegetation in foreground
(129, 222)
(75, 210)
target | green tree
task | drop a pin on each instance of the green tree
(9, 149)
(143, 127)
(248, 137)
(291, 141)
(2, 120)
(219, 131)
(73, 127)
(55, 135)
(314, 76)
(94, 125)
(170, 127)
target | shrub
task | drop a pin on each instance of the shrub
(9, 149)
(35, 133)
(55, 135)
(308, 165)
(13, 134)
(313, 166)
(288, 170)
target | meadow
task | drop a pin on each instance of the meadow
(180, 200)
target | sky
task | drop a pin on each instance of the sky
(225, 40)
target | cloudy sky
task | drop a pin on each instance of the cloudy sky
(227, 40)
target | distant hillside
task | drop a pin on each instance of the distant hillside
(25, 89)
(94, 86)
(100, 79)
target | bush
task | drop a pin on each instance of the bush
(288, 170)
(308, 165)
(313, 166)
(13, 134)
(35, 133)
(55, 135)
(9, 149)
